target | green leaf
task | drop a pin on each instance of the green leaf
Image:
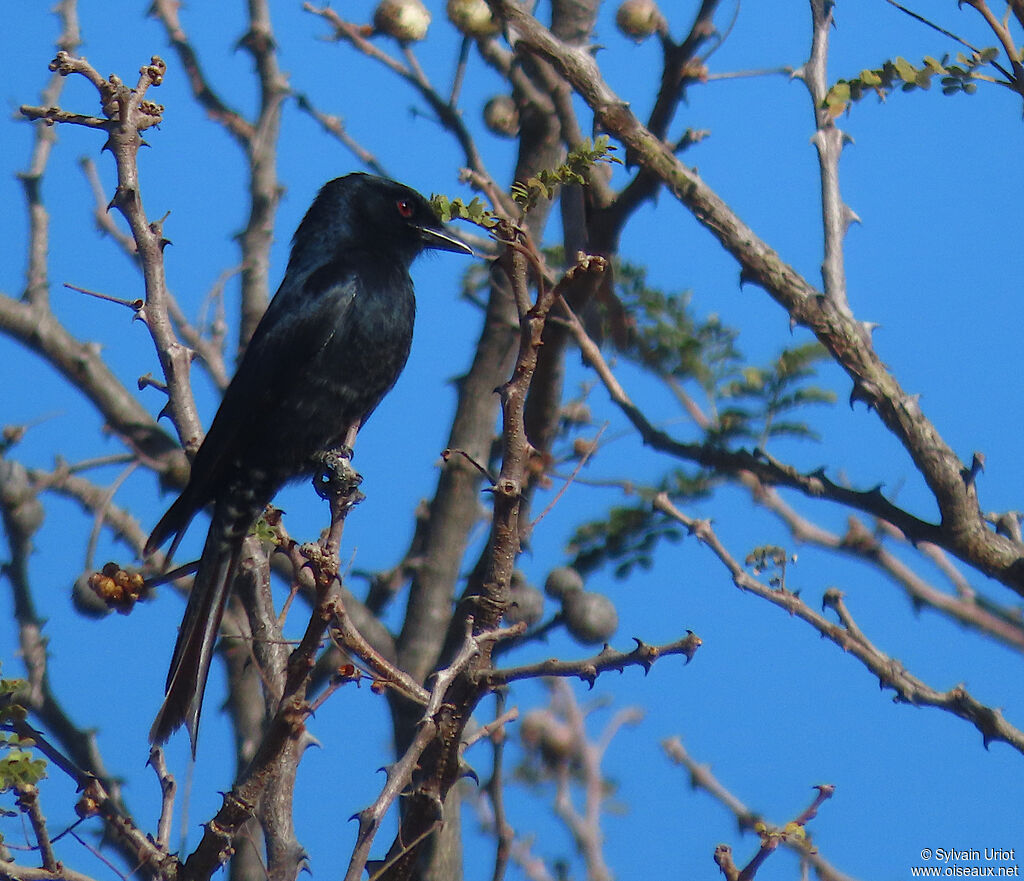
(907, 72)
(573, 171)
(475, 212)
(840, 92)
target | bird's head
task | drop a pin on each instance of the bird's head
(365, 212)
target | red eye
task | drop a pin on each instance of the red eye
(404, 207)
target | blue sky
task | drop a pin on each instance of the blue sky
(936, 260)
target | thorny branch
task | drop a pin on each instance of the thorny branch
(771, 839)
(400, 775)
(890, 672)
(966, 607)
(589, 669)
(963, 531)
(469, 674)
(702, 778)
(829, 142)
(257, 138)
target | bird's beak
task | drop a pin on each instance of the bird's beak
(443, 240)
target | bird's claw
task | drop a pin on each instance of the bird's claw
(335, 477)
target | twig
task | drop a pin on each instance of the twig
(702, 778)
(928, 23)
(335, 126)
(963, 531)
(572, 477)
(411, 72)
(100, 516)
(495, 789)
(493, 730)
(771, 839)
(104, 220)
(27, 799)
(135, 305)
(1006, 39)
(858, 541)
(713, 456)
(349, 639)
(276, 751)
(96, 798)
(400, 774)
(447, 454)
(744, 74)
(460, 71)
(891, 674)
(588, 669)
(829, 141)
(168, 787)
(30, 873)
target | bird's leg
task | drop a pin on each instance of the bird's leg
(338, 483)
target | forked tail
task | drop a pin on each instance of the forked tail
(193, 652)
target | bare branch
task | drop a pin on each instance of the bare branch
(890, 672)
(335, 126)
(400, 774)
(829, 141)
(702, 778)
(589, 669)
(858, 541)
(168, 787)
(447, 113)
(27, 799)
(963, 530)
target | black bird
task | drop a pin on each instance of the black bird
(329, 347)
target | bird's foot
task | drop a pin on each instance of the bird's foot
(337, 482)
(335, 478)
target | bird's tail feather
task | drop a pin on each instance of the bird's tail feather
(174, 522)
(193, 651)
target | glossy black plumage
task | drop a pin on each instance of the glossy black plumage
(331, 344)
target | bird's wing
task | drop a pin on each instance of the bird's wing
(300, 320)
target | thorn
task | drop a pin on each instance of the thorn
(831, 598)
(466, 770)
(977, 467)
(876, 491)
(869, 327)
(859, 392)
